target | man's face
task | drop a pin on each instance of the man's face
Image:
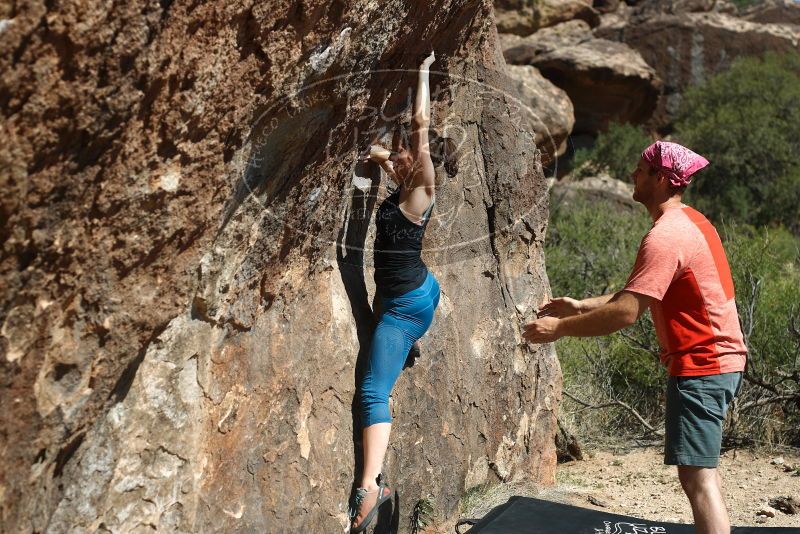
(644, 183)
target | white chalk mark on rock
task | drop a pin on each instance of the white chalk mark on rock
(322, 60)
(302, 433)
(237, 514)
(170, 180)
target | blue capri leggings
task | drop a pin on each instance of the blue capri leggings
(403, 321)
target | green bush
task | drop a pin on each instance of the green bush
(784, 199)
(590, 250)
(746, 121)
(766, 268)
(741, 4)
(589, 244)
(615, 151)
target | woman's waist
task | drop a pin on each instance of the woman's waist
(398, 263)
(424, 286)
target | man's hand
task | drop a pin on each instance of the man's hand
(560, 307)
(621, 310)
(544, 330)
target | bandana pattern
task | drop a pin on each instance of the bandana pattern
(676, 161)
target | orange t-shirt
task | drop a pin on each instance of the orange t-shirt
(681, 264)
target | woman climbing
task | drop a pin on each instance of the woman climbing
(407, 293)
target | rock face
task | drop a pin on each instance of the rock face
(523, 50)
(185, 235)
(774, 12)
(523, 17)
(551, 114)
(652, 7)
(687, 48)
(606, 81)
(606, 6)
(594, 188)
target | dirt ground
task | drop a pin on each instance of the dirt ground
(638, 483)
(635, 482)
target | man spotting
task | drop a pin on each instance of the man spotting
(682, 275)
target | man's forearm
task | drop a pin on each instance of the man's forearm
(592, 303)
(603, 320)
(621, 310)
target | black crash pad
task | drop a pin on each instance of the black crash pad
(525, 515)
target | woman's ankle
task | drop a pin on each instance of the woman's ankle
(369, 484)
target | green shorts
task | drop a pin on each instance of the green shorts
(696, 407)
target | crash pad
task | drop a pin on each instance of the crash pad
(526, 515)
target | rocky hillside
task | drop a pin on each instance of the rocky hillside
(185, 263)
(630, 61)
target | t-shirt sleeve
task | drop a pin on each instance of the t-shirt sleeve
(656, 264)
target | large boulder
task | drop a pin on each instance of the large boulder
(524, 17)
(548, 109)
(621, 14)
(519, 50)
(617, 17)
(687, 48)
(774, 12)
(607, 6)
(653, 7)
(186, 264)
(593, 189)
(606, 81)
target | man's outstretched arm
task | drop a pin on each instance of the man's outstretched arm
(623, 309)
(566, 306)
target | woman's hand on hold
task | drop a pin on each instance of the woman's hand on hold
(428, 61)
(376, 153)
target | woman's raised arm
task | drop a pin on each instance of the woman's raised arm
(420, 122)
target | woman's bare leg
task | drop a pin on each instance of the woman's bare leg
(375, 441)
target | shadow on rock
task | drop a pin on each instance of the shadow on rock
(388, 521)
(350, 259)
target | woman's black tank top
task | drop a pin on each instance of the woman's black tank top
(398, 249)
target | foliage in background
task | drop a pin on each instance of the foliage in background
(616, 152)
(746, 121)
(590, 250)
(766, 269)
(742, 4)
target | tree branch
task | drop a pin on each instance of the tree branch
(616, 402)
(769, 400)
(750, 377)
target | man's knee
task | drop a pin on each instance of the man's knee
(698, 480)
